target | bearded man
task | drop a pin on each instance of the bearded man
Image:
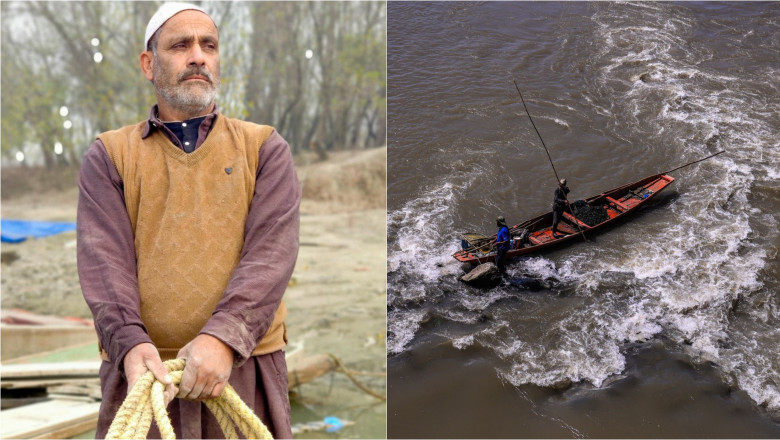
(187, 237)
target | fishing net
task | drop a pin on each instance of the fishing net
(590, 215)
(473, 239)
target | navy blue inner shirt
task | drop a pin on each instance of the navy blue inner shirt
(186, 132)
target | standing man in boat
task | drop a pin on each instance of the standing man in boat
(502, 244)
(559, 204)
(187, 237)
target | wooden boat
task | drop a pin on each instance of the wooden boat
(535, 234)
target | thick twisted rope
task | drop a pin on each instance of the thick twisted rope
(146, 401)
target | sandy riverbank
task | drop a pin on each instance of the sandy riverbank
(336, 299)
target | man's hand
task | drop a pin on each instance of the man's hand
(209, 363)
(143, 358)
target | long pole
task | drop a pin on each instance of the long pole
(557, 179)
(695, 161)
(537, 131)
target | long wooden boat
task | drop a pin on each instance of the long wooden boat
(535, 234)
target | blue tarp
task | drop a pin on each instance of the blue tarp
(16, 231)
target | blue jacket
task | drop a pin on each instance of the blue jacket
(503, 235)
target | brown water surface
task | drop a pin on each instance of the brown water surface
(666, 325)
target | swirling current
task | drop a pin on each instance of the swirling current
(618, 91)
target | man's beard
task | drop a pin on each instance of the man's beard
(190, 98)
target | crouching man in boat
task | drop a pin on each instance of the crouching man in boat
(559, 204)
(502, 244)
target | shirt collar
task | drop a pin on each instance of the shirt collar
(154, 122)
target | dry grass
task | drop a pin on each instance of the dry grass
(40, 275)
(348, 181)
(24, 181)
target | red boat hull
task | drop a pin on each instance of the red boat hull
(618, 202)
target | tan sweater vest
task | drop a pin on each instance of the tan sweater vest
(188, 213)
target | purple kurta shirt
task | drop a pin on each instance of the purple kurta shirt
(107, 272)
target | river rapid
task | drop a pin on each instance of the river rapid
(666, 325)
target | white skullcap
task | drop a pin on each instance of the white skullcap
(166, 11)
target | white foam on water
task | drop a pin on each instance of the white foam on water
(479, 302)
(556, 120)
(753, 368)
(540, 267)
(638, 324)
(454, 314)
(561, 122)
(419, 256)
(418, 228)
(402, 327)
(411, 293)
(576, 356)
(686, 274)
(462, 342)
(680, 278)
(772, 172)
(563, 107)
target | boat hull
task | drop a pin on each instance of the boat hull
(617, 202)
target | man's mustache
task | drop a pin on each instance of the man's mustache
(196, 71)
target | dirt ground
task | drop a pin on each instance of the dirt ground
(336, 299)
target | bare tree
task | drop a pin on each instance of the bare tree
(315, 71)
